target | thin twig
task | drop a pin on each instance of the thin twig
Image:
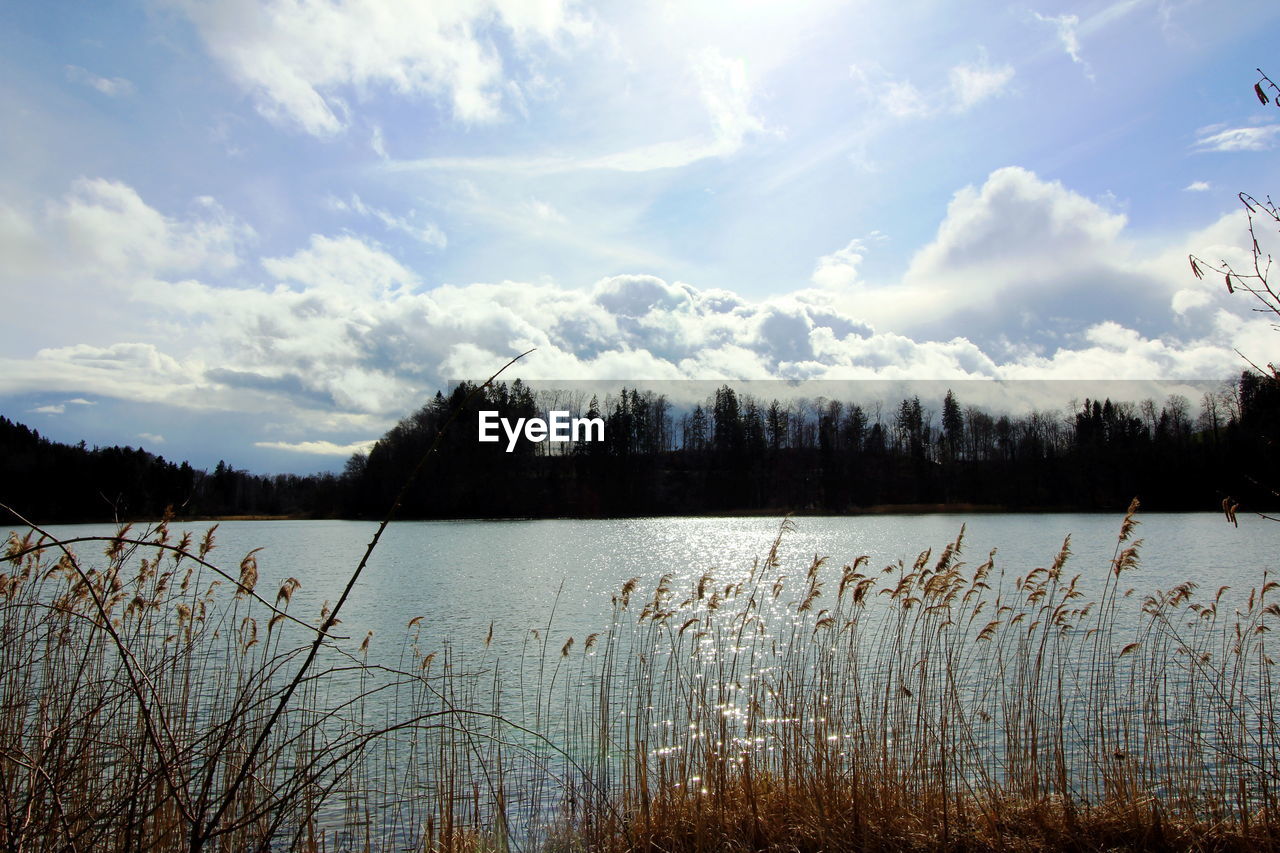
(199, 833)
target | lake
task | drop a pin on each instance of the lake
(461, 576)
(719, 660)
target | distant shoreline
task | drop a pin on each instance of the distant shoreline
(878, 509)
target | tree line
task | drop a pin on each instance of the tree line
(48, 481)
(730, 453)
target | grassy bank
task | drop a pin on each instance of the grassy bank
(151, 701)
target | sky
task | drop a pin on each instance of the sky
(266, 231)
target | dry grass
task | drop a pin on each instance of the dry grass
(935, 705)
(929, 705)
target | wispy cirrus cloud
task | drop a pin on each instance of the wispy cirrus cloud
(112, 87)
(318, 448)
(1068, 27)
(726, 95)
(968, 84)
(1261, 137)
(429, 234)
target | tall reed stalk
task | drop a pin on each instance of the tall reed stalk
(796, 704)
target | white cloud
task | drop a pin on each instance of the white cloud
(544, 212)
(105, 226)
(727, 95)
(112, 87)
(1260, 138)
(1023, 278)
(318, 448)
(670, 154)
(85, 254)
(972, 84)
(1197, 187)
(904, 100)
(132, 371)
(1024, 265)
(1016, 216)
(1068, 27)
(377, 143)
(343, 267)
(1118, 352)
(61, 408)
(300, 60)
(968, 84)
(428, 234)
(151, 437)
(1189, 298)
(840, 268)
(899, 98)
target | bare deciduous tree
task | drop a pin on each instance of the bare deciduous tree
(1256, 277)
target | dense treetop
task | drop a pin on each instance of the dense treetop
(729, 453)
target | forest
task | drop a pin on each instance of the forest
(731, 453)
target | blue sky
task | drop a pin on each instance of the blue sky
(264, 231)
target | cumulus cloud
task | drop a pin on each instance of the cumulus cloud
(1118, 352)
(1010, 258)
(1197, 187)
(1013, 217)
(1024, 278)
(134, 371)
(1189, 298)
(301, 60)
(840, 268)
(1021, 266)
(103, 228)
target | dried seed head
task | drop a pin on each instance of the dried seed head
(287, 589)
(248, 632)
(206, 544)
(248, 573)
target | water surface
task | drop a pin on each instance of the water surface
(463, 576)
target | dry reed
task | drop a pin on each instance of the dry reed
(930, 704)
